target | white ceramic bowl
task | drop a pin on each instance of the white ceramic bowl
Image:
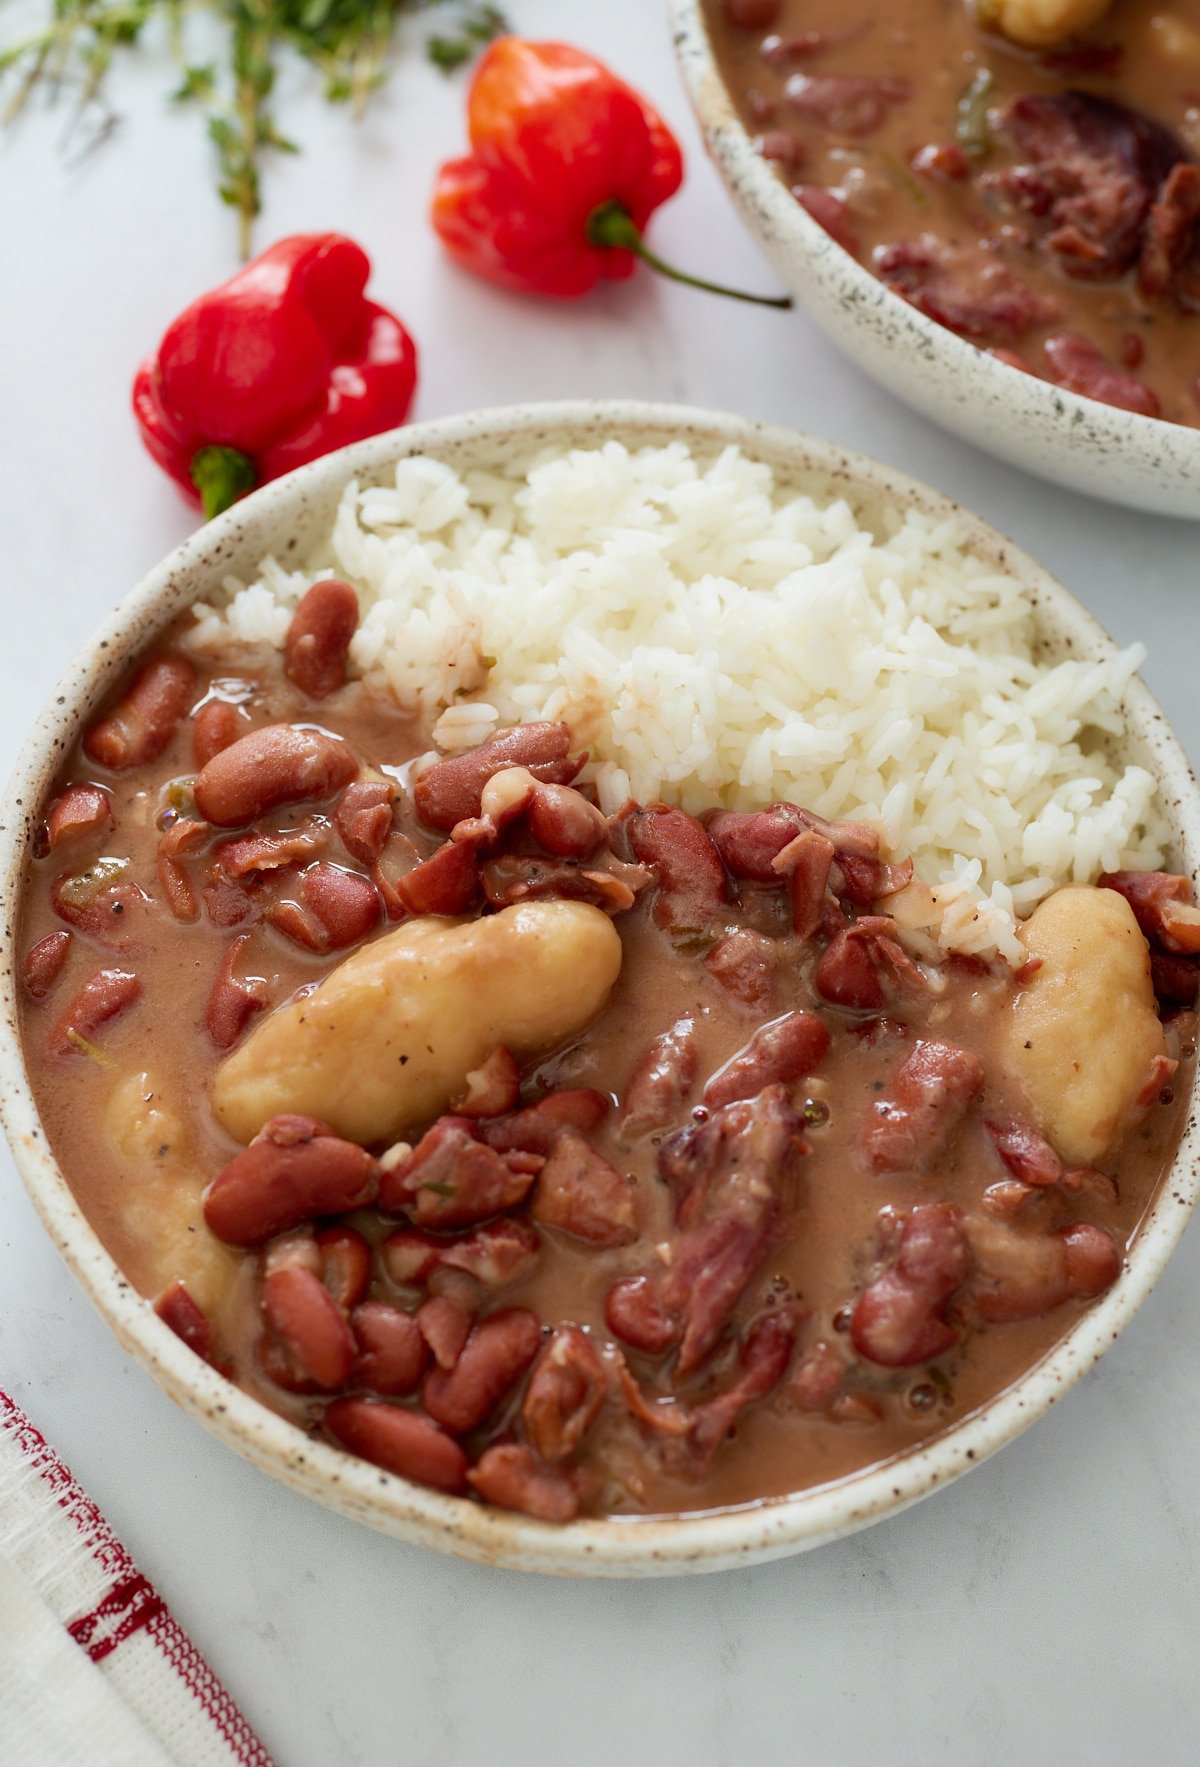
(284, 518)
(1117, 455)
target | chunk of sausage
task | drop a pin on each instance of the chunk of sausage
(141, 724)
(930, 1094)
(279, 764)
(452, 790)
(1082, 1034)
(318, 640)
(390, 1036)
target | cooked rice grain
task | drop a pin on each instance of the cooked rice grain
(715, 636)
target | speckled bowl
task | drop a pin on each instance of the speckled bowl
(1058, 435)
(285, 518)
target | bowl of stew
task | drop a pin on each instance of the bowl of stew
(544, 1146)
(994, 210)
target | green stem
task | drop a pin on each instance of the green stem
(611, 225)
(222, 475)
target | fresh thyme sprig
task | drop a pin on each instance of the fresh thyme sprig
(347, 41)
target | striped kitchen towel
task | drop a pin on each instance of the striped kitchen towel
(94, 1672)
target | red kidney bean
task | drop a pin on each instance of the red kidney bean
(692, 886)
(141, 724)
(403, 1442)
(81, 809)
(785, 1051)
(345, 1265)
(295, 1169)
(335, 909)
(279, 764)
(305, 1317)
(364, 818)
(899, 1319)
(751, 15)
(231, 1002)
(451, 791)
(318, 640)
(744, 963)
(280, 1367)
(568, 1386)
(271, 849)
(392, 1354)
(445, 1327)
(445, 883)
(564, 823)
(44, 963)
(817, 1378)
(179, 892)
(227, 903)
(101, 998)
(661, 1081)
(216, 726)
(497, 1353)
(928, 1096)
(176, 1308)
(511, 1476)
(493, 1089)
(534, 1129)
(633, 1313)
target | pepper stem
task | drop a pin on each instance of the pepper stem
(222, 475)
(611, 225)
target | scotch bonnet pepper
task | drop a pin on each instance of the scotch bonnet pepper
(282, 363)
(567, 165)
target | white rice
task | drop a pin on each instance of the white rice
(715, 636)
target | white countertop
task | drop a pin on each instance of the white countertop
(1043, 1609)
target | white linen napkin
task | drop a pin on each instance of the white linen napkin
(94, 1672)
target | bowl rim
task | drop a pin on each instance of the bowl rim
(769, 205)
(607, 1546)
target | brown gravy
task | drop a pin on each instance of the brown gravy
(139, 1177)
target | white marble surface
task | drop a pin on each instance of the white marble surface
(1042, 1610)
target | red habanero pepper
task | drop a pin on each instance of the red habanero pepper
(567, 165)
(282, 363)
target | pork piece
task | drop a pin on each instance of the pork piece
(1092, 170)
(853, 104)
(364, 818)
(450, 1179)
(1020, 1274)
(581, 1193)
(1077, 364)
(567, 1387)
(727, 1177)
(784, 1052)
(962, 288)
(899, 1318)
(661, 1081)
(1172, 235)
(744, 964)
(526, 877)
(1083, 1035)
(930, 1094)
(1163, 906)
(692, 886)
(451, 791)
